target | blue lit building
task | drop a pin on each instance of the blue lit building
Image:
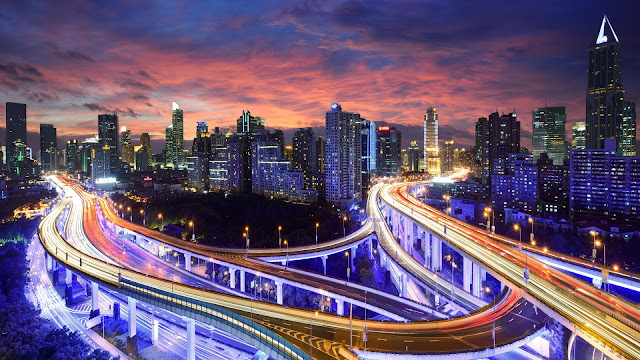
(518, 187)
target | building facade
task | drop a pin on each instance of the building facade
(549, 133)
(108, 136)
(431, 150)
(16, 130)
(389, 144)
(48, 147)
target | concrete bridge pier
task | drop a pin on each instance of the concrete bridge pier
(68, 276)
(242, 281)
(154, 332)
(187, 262)
(353, 256)
(340, 307)
(404, 284)
(232, 278)
(324, 264)
(279, 295)
(49, 260)
(191, 338)
(597, 282)
(466, 274)
(95, 296)
(132, 339)
(476, 280)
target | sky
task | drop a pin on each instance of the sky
(287, 61)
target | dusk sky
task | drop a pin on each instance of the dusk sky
(288, 61)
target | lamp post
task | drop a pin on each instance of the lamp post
(526, 257)
(286, 243)
(604, 252)
(161, 222)
(130, 213)
(279, 237)
(448, 199)
(453, 266)
(493, 329)
(246, 229)
(317, 226)
(193, 231)
(531, 237)
(492, 216)
(517, 227)
(348, 255)
(311, 334)
(344, 229)
(144, 217)
(120, 207)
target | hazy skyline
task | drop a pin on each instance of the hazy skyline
(288, 61)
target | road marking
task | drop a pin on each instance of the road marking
(381, 339)
(408, 341)
(510, 320)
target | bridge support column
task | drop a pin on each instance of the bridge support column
(49, 261)
(279, 296)
(370, 246)
(232, 278)
(95, 296)
(435, 252)
(132, 316)
(382, 258)
(404, 282)
(154, 332)
(191, 338)
(476, 280)
(340, 307)
(242, 282)
(68, 276)
(483, 275)
(284, 262)
(324, 264)
(187, 262)
(466, 274)
(353, 256)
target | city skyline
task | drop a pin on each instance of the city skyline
(520, 71)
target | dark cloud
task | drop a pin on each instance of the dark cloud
(73, 55)
(140, 97)
(128, 112)
(20, 72)
(41, 97)
(96, 107)
(134, 84)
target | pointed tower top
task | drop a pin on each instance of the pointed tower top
(175, 106)
(606, 33)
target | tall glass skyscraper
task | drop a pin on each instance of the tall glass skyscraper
(549, 133)
(578, 136)
(177, 120)
(605, 94)
(108, 136)
(431, 156)
(48, 147)
(16, 115)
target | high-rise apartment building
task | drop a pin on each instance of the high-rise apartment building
(108, 136)
(578, 135)
(369, 144)
(431, 151)
(604, 185)
(48, 147)
(177, 122)
(629, 147)
(549, 133)
(517, 187)
(72, 160)
(447, 158)
(304, 155)
(553, 187)
(127, 149)
(389, 144)
(413, 156)
(247, 123)
(605, 94)
(16, 130)
(343, 156)
(169, 145)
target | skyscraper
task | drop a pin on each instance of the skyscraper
(127, 147)
(413, 155)
(447, 157)
(431, 156)
(170, 148)
(202, 141)
(319, 177)
(247, 123)
(578, 135)
(145, 141)
(629, 129)
(343, 161)
(177, 121)
(496, 138)
(108, 136)
(72, 158)
(549, 133)
(48, 147)
(388, 150)
(16, 130)
(304, 155)
(605, 94)
(369, 145)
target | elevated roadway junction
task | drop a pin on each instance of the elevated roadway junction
(439, 266)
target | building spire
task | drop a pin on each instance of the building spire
(606, 33)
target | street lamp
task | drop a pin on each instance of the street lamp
(286, 243)
(279, 237)
(193, 231)
(344, 231)
(448, 199)
(493, 329)
(161, 222)
(119, 207)
(246, 229)
(130, 213)
(311, 334)
(493, 218)
(531, 235)
(593, 253)
(517, 227)
(453, 267)
(526, 257)
(144, 217)
(604, 252)
(317, 226)
(348, 255)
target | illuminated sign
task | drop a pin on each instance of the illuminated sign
(147, 179)
(334, 106)
(106, 180)
(383, 128)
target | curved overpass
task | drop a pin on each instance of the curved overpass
(469, 336)
(589, 312)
